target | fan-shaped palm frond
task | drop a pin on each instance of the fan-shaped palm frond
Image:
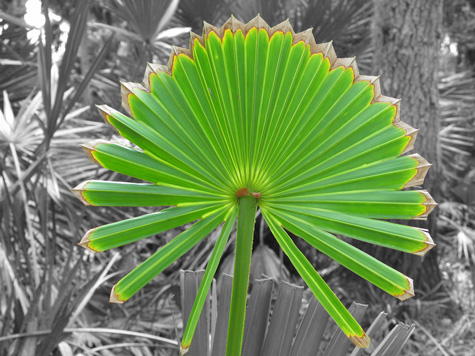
(252, 116)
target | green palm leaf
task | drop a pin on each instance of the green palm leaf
(253, 117)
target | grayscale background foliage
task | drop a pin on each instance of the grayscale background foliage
(55, 68)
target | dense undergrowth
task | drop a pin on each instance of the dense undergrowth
(51, 77)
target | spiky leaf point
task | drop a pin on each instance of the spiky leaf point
(253, 114)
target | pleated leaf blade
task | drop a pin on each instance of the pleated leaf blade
(250, 110)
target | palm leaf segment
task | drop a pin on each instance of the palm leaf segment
(252, 116)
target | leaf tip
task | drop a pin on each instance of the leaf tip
(78, 190)
(421, 171)
(429, 244)
(114, 297)
(360, 341)
(89, 148)
(104, 110)
(409, 292)
(85, 241)
(127, 89)
(429, 204)
(410, 132)
(184, 349)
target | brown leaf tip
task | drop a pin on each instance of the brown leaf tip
(114, 297)
(85, 241)
(429, 243)
(78, 190)
(360, 341)
(126, 89)
(408, 293)
(183, 349)
(430, 203)
(89, 148)
(410, 132)
(106, 111)
(421, 171)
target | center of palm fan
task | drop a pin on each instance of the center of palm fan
(243, 192)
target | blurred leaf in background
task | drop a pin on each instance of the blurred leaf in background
(45, 277)
(142, 27)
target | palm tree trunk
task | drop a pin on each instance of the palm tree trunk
(406, 38)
